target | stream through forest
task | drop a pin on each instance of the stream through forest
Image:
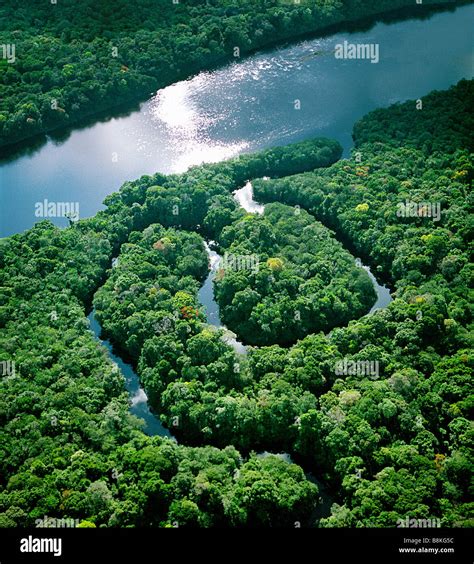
(138, 398)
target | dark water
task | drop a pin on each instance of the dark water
(139, 405)
(206, 293)
(211, 307)
(384, 296)
(241, 107)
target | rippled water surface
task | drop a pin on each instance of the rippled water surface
(241, 107)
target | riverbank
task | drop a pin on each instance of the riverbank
(61, 109)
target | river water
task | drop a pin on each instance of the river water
(138, 398)
(211, 307)
(243, 106)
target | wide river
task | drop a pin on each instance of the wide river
(243, 106)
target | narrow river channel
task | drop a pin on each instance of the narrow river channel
(138, 399)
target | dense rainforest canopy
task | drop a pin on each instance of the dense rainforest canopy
(391, 444)
(66, 60)
(303, 280)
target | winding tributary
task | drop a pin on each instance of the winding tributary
(138, 398)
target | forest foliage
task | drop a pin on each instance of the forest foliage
(300, 279)
(66, 431)
(389, 443)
